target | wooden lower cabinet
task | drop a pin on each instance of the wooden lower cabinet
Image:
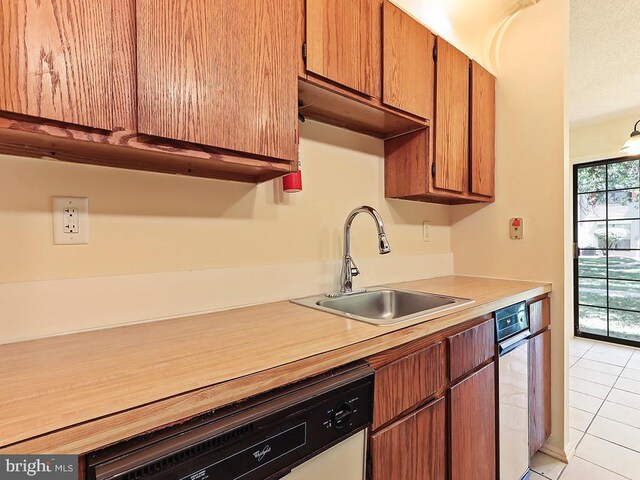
(471, 348)
(539, 315)
(406, 383)
(427, 424)
(431, 441)
(539, 390)
(414, 448)
(472, 421)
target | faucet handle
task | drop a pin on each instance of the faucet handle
(354, 269)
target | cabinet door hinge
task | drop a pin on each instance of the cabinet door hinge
(433, 169)
(304, 53)
(576, 250)
(435, 53)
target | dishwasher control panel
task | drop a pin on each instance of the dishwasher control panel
(511, 320)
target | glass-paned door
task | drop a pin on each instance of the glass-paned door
(607, 237)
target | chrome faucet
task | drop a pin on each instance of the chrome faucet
(349, 268)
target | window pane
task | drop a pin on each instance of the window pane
(591, 206)
(592, 291)
(624, 295)
(608, 236)
(622, 234)
(622, 204)
(591, 179)
(592, 263)
(592, 320)
(624, 325)
(623, 174)
(592, 235)
(624, 265)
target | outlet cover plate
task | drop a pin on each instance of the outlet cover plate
(426, 231)
(70, 220)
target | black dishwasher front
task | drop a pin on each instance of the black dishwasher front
(259, 439)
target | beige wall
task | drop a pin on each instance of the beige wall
(163, 245)
(144, 222)
(530, 167)
(601, 139)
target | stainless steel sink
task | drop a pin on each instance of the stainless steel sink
(383, 306)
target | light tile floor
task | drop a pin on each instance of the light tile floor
(604, 415)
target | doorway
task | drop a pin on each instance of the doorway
(607, 250)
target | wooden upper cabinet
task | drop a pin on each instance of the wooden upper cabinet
(451, 138)
(483, 131)
(219, 73)
(344, 43)
(473, 427)
(56, 60)
(408, 67)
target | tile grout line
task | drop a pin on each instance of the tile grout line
(614, 443)
(594, 417)
(580, 357)
(603, 468)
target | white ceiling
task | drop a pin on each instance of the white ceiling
(604, 59)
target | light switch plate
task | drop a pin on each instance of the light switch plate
(516, 228)
(70, 220)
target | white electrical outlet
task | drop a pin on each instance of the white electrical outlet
(426, 231)
(70, 220)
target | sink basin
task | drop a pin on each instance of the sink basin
(383, 306)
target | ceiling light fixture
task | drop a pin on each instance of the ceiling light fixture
(632, 146)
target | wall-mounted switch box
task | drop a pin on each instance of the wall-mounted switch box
(516, 228)
(70, 220)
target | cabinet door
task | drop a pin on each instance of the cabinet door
(473, 427)
(408, 67)
(471, 348)
(451, 142)
(483, 131)
(407, 382)
(431, 450)
(539, 390)
(393, 451)
(219, 73)
(56, 60)
(412, 448)
(343, 43)
(539, 315)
